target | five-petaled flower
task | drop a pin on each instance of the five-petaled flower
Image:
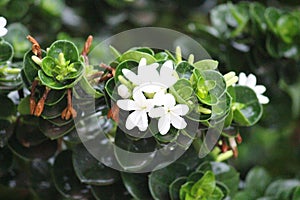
(140, 107)
(3, 30)
(169, 114)
(250, 81)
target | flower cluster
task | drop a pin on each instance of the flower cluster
(146, 94)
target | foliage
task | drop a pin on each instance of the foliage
(41, 150)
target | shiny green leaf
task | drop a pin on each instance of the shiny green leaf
(137, 185)
(6, 51)
(65, 179)
(91, 171)
(247, 109)
(66, 47)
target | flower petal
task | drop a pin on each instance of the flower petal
(138, 96)
(251, 81)
(263, 99)
(132, 77)
(2, 22)
(164, 124)
(127, 104)
(142, 62)
(157, 112)
(169, 100)
(158, 97)
(242, 79)
(143, 122)
(123, 91)
(3, 32)
(180, 109)
(259, 89)
(133, 120)
(178, 122)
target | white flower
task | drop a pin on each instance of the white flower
(141, 107)
(250, 81)
(123, 91)
(3, 30)
(169, 114)
(148, 77)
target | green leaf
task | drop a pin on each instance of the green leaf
(65, 179)
(41, 181)
(282, 189)
(24, 106)
(43, 150)
(54, 84)
(137, 185)
(161, 56)
(257, 181)
(160, 180)
(6, 51)
(53, 131)
(30, 68)
(216, 195)
(184, 70)
(174, 187)
(126, 64)
(91, 171)
(66, 47)
(32, 136)
(292, 91)
(17, 37)
(54, 97)
(296, 194)
(287, 27)
(227, 175)
(6, 160)
(137, 56)
(184, 192)
(247, 109)
(257, 14)
(8, 108)
(206, 64)
(89, 89)
(143, 49)
(48, 64)
(205, 186)
(51, 112)
(126, 146)
(115, 191)
(272, 15)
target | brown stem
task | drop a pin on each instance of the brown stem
(40, 105)
(106, 77)
(86, 49)
(36, 48)
(69, 111)
(95, 75)
(32, 98)
(109, 68)
(113, 113)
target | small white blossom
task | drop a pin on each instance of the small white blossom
(3, 30)
(123, 91)
(250, 81)
(141, 106)
(149, 78)
(169, 114)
